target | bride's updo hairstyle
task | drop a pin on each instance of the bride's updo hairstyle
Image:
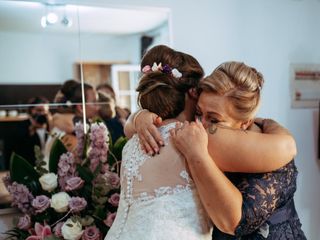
(241, 84)
(162, 91)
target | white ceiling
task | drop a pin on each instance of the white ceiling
(25, 16)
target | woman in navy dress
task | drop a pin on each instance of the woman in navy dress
(241, 205)
(268, 210)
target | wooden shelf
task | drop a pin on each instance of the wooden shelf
(95, 72)
(13, 119)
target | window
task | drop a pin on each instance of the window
(125, 79)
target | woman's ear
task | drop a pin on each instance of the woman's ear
(193, 93)
(246, 125)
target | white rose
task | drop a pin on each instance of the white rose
(71, 230)
(60, 202)
(48, 181)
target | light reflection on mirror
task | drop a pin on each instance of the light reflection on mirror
(38, 56)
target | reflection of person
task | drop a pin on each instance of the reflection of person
(107, 112)
(121, 113)
(158, 199)
(34, 129)
(263, 208)
(70, 112)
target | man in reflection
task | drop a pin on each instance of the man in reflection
(34, 130)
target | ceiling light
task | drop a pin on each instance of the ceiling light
(43, 21)
(66, 21)
(53, 15)
(52, 18)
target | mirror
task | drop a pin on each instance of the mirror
(44, 44)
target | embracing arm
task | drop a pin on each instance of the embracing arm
(221, 199)
(275, 149)
(129, 129)
(224, 208)
(257, 152)
(236, 210)
(145, 124)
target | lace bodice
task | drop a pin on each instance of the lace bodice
(158, 199)
(144, 177)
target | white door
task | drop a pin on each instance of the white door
(125, 78)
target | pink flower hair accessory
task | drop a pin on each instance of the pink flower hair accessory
(146, 69)
(165, 69)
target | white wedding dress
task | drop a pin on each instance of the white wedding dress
(158, 200)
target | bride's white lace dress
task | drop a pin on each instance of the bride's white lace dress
(158, 199)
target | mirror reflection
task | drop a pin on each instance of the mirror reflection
(47, 49)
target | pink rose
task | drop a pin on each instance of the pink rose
(24, 222)
(57, 229)
(40, 232)
(113, 179)
(110, 218)
(41, 203)
(91, 233)
(146, 69)
(105, 168)
(77, 204)
(114, 199)
(74, 183)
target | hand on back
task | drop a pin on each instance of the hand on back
(191, 139)
(146, 125)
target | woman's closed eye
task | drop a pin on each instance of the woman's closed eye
(214, 120)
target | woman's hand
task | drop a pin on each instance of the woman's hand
(146, 124)
(271, 127)
(191, 139)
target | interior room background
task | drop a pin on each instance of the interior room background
(269, 35)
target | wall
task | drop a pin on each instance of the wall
(38, 58)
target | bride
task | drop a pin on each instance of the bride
(158, 197)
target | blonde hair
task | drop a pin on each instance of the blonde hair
(240, 83)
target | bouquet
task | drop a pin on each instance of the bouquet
(77, 197)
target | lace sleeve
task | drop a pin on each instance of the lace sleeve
(262, 194)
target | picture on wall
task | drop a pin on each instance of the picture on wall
(305, 85)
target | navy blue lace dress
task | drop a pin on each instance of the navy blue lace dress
(268, 210)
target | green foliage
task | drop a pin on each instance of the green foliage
(57, 150)
(115, 151)
(40, 163)
(21, 171)
(51, 238)
(16, 234)
(99, 213)
(118, 146)
(85, 174)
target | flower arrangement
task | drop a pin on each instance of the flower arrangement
(76, 198)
